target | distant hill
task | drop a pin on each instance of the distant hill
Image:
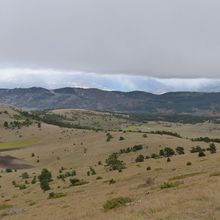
(95, 99)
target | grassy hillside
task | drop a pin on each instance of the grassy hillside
(84, 187)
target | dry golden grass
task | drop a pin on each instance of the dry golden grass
(197, 197)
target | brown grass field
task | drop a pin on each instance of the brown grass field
(193, 195)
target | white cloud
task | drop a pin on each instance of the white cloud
(48, 78)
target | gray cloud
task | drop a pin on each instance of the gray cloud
(11, 78)
(172, 38)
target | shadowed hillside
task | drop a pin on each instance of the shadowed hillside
(94, 99)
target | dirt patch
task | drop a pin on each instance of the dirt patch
(13, 163)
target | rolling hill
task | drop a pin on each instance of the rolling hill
(95, 99)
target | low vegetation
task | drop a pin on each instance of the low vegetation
(116, 203)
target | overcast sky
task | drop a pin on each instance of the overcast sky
(90, 42)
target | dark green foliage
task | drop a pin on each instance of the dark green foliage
(18, 124)
(121, 138)
(212, 148)
(166, 133)
(34, 180)
(53, 195)
(77, 182)
(99, 178)
(66, 175)
(154, 156)
(57, 120)
(168, 160)
(8, 170)
(116, 203)
(207, 139)
(20, 186)
(148, 168)
(112, 181)
(140, 158)
(25, 175)
(168, 152)
(6, 124)
(45, 177)
(161, 153)
(196, 149)
(185, 119)
(188, 163)
(135, 148)
(92, 171)
(114, 163)
(201, 154)
(180, 150)
(109, 137)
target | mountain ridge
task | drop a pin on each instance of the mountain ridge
(39, 98)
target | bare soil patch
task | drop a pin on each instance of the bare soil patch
(13, 163)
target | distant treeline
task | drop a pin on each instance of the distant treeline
(169, 133)
(206, 139)
(176, 118)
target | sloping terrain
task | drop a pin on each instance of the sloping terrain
(184, 187)
(94, 99)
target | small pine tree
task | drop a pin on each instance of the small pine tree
(45, 177)
(6, 124)
(201, 154)
(212, 148)
(140, 158)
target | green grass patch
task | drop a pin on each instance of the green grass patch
(18, 144)
(185, 176)
(167, 185)
(5, 206)
(78, 182)
(116, 203)
(217, 173)
(53, 195)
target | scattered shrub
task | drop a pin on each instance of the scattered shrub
(25, 175)
(188, 163)
(92, 171)
(98, 177)
(168, 160)
(8, 170)
(114, 163)
(212, 148)
(77, 182)
(201, 154)
(149, 168)
(140, 158)
(196, 149)
(121, 138)
(167, 185)
(180, 150)
(45, 177)
(155, 156)
(53, 195)
(116, 203)
(112, 181)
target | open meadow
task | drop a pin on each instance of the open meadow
(123, 170)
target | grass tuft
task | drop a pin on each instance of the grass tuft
(116, 203)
